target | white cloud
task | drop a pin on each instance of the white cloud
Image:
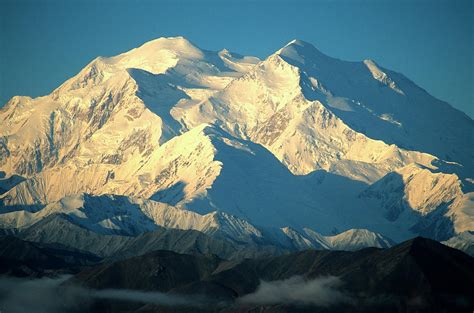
(321, 291)
(47, 295)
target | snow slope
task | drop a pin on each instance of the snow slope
(384, 105)
(124, 216)
(269, 105)
(256, 149)
(114, 110)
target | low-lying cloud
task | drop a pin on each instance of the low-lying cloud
(35, 295)
(321, 291)
(146, 297)
(46, 295)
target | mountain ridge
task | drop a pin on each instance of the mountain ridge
(397, 276)
(297, 141)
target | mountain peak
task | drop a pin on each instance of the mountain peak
(420, 246)
(158, 55)
(206, 131)
(175, 40)
(299, 50)
(179, 45)
(299, 42)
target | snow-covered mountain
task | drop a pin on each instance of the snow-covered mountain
(299, 150)
(124, 216)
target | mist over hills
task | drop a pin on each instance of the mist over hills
(404, 278)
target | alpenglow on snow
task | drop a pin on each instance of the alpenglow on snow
(299, 150)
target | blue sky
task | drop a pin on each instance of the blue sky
(42, 43)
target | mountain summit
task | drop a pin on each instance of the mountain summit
(298, 150)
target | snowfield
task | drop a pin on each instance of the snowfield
(298, 150)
